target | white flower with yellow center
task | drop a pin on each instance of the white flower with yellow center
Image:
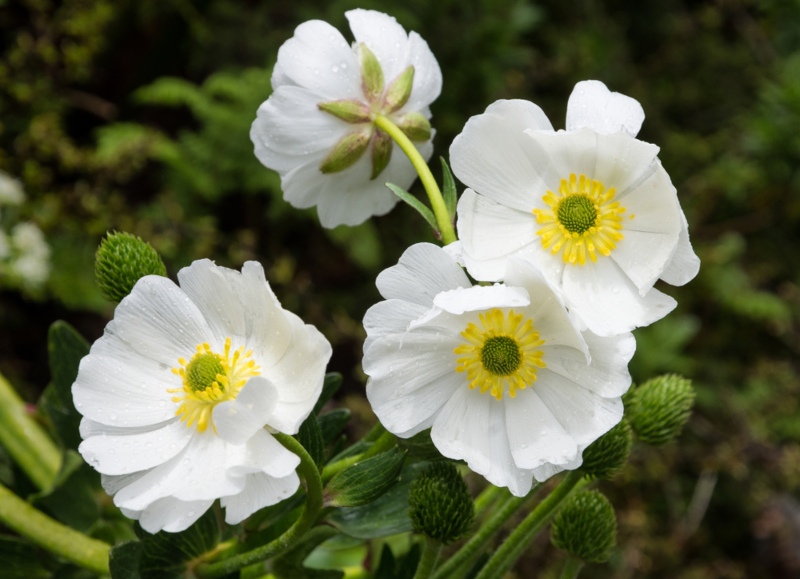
(500, 374)
(591, 206)
(181, 393)
(316, 129)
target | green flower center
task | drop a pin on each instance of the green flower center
(500, 355)
(577, 213)
(202, 372)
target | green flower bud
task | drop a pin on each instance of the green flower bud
(372, 83)
(659, 408)
(381, 152)
(365, 481)
(439, 504)
(346, 152)
(120, 261)
(606, 456)
(399, 91)
(415, 126)
(586, 527)
(350, 111)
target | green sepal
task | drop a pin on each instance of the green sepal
(330, 385)
(415, 126)
(332, 423)
(350, 111)
(381, 153)
(310, 436)
(346, 152)
(449, 192)
(586, 527)
(65, 347)
(167, 555)
(365, 481)
(121, 260)
(415, 203)
(399, 91)
(659, 408)
(372, 82)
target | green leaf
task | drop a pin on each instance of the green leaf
(426, 213)
(365, 481)
(21, 560)
(290, 564)
(403, 568)
(71, 499)
(420, 446)
(386, 516)
(332, 423)
(448, 190)
(333, 380)
(310, 436)
(124, 560)
(165, 555)
(66, 347)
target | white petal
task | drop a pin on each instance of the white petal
(536, 436)
(119, 453)
(593, 106)
(582, 413)
(236, 421)
(478, 298)
(604, 299)
(423, 271)
(559, 155)
(314, 57)
(427, 75)
(391, 316)
(546, 471)
(303, 185)
(169, 514)
(260, 491)
(493, 156)
(264, 454)
(684, 264)
(383, 35)
(490, 233)
(622, 162)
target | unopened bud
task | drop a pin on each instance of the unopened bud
(606, 456)
(121, 260)
(586, 527)
(659, 408)
(439, 503)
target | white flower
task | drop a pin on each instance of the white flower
(11, 192)
(499, 373)
(31, 261)
(181, 393)
(591, 206)
(316, 128)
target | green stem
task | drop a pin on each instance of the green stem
(517, 541)
(68, 543)
(425, 176)
(307, 470)
(571, 568)
(480, 539)
(427, 562)
(384, 442)
(26, 441)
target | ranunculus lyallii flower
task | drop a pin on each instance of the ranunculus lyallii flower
(591, 206)
(316, 129)
(180, 394)
(500, 373)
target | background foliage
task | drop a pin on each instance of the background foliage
(134, 115)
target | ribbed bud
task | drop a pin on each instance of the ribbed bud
(399, 91)
(121, 260)
(365, 481)
(346, 152)
(372, 82)
(381, 152)
(350, 111)
(415, 126)
(439, 504)
(659, 408)
(586, 527)
(606, 456)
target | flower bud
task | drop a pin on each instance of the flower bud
(346, 152)
(586, 527)
(121, 259)
(365, 481)
(606, 456)
(659, 408)
(440, 506)
(399, 91)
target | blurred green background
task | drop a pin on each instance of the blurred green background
(134, 115)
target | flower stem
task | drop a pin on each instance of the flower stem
(425, 175)
(68, 543)
(26, 441)
(512, 548)
(427, 562)
(487, 497)
(479, 540)
(308, 470)
(571, 568)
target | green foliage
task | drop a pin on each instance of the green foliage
(586, 527)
